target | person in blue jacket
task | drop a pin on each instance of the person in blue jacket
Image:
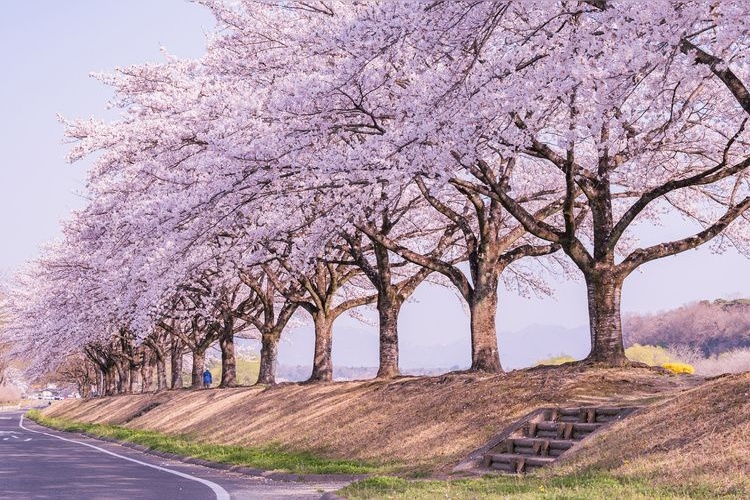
(207, 379)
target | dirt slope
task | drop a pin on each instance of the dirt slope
(427, 423)
(701, 436)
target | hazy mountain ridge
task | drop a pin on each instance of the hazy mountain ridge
(355, 352)
(298, 373)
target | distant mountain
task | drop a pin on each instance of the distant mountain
(710, 327)
(537, 342)
(355, 346)
(299, 373)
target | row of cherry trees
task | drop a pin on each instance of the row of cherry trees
(3, 343)
(326, 155)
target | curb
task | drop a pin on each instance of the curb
(239, 469)
(331, 496)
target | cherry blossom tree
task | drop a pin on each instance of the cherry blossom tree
(489, 243)
(618, 107)
(270, 174)
(78, 369)
(270, 318)
(394, 279)
(327, 289)
(4, 342)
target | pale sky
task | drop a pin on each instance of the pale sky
(50, 47)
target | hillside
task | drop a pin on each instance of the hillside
(426, 424)
(709, 327)
(699, 437)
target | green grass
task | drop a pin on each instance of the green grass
(268, 458)
(568, 487)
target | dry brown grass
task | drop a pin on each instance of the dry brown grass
(698, 437)
(426, 423)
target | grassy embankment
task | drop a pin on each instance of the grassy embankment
(689, 441)
(589, 485)
(268, 458)
(574, 486)
(693, 445)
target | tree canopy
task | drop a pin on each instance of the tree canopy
(326, 155)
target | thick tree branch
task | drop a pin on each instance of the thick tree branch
(721, 70)
(641, 256)
(438, 265)
(457, 219)
(527, 251)
(355, 249)
(709, 176)
(351, 304)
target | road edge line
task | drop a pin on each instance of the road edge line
(221, 493)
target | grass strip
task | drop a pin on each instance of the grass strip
(267, 458)
(589, 486)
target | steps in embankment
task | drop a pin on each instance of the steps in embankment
(541, 438)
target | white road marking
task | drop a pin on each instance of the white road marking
(221, 493)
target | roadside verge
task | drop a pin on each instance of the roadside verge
(279, 465)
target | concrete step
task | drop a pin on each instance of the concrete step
(538, 446)
(584, 414)
(512, 462)
(544, 436)
(561, 430)
(611, 414)
(569, 415)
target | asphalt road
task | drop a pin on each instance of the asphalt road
(39, 463)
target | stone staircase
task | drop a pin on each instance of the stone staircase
(545, 435)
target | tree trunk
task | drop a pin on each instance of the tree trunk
(134, 376)
(199, 361)
(123, 377)
(228, 360)
(604, 289)
(322, 364)
(161, 373)
(389, 307)
(483, 308)
(147, 374)
(110, 379)
(176, 363)
(269, 352)
(84, 389)
(100, 387)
